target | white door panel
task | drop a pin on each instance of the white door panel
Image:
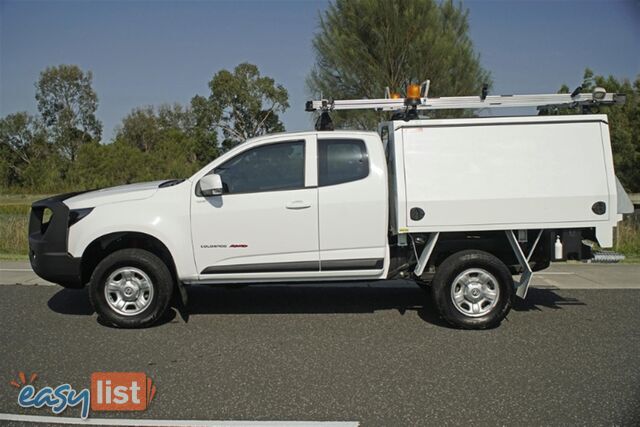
(256, 229)
(356, 225)
(266, 221)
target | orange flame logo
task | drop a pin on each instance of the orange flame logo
(22, 378)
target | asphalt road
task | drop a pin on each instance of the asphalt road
(377, 355)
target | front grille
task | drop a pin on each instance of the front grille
(49, 224)
(41, 218)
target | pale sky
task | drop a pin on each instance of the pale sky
(153, 52)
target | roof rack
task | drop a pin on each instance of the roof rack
(417, 98)
(543, 101)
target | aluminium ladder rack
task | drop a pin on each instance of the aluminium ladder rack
(542, 101)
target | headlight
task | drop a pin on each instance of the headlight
(76, 215)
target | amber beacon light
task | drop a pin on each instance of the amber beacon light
(413, 95)
(413, 91)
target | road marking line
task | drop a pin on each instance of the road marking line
(16, 269)
(552, 272)
(550, 282)
(177, 423)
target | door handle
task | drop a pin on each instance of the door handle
(298, 204)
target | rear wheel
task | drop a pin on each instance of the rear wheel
(131, 288)
(473, 290)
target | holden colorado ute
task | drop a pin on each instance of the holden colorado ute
(461, 205)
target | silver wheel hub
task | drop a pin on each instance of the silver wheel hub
(475, 292)
(128, 291)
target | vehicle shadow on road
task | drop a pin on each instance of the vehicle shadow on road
(318, 299)
(71, 301)
(301, 299)
(75, 302)
(540, 298)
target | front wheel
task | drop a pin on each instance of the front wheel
(473, 290)
(131, 288)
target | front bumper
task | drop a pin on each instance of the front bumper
(48, 252)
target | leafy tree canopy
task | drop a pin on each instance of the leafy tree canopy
(60, 149)
(146, 127)
(243, 104)
(67, 104)
(624, 124)
(364, 46)
(25, 152)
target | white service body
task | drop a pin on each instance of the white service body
(507, 173)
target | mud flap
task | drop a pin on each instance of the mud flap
(183, 293)
(181, 303)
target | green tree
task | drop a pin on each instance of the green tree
(145, 128)
(67, 104)
(17, 133)
(140, 129)
(243, 104)
(624, 124)
(28, 161)
(175, 156)
(105, 165)
(205, 130)
(364, 46)
(150, 144)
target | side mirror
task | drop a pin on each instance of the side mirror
(211, 185)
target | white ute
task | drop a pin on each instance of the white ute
(460, 205)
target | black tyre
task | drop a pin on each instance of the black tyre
(131, 288)
(473, 290)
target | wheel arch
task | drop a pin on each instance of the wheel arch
(107, 244)
(492, 242)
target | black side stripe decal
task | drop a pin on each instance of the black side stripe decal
(352, 264)
(273, 267)
(280, 267)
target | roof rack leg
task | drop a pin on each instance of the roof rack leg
(523, 285)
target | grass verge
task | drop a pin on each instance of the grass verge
(14, 221)
(21, 199)
(13, 233)
(628, 237)
(13, 257)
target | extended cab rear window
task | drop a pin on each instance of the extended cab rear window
(341, 160)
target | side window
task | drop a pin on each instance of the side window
(278, 166)
(341, 160)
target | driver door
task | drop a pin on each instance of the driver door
(265, 224)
